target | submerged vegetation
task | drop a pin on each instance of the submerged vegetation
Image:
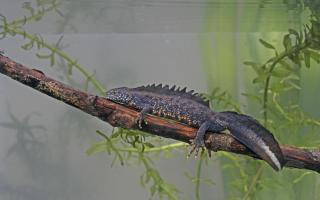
(276, 86)
(277, 83)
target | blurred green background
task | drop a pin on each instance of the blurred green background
(199, 44)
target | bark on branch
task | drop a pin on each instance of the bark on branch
(120, 116)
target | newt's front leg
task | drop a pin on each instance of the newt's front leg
(142, 115)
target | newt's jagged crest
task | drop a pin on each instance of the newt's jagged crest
(176, 91)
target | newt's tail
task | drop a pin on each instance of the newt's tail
(256, 137)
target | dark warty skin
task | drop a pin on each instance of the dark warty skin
(190, 108)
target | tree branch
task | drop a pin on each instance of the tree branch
(120, 116)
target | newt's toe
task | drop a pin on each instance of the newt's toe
(196, 145)
(140, 120)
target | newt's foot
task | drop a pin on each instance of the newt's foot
(140, 120)
(197, 144)
(92, 99)
(142, 115)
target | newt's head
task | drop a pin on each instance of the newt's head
(119, 95)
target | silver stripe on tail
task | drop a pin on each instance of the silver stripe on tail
(270, 153)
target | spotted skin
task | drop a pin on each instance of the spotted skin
(190, 108)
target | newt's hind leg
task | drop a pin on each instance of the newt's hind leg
(198, 141)
(142, 115)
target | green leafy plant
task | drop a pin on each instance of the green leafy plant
(125, 145)
(277, 78)
(16, 28)
(128, 146)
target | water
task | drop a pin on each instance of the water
(123, 43)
